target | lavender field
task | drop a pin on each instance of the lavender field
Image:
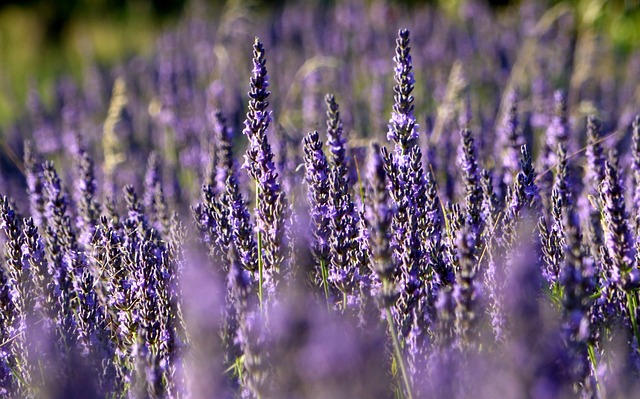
(355, 200)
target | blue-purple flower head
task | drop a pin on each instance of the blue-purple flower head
(558, 131)
(317, 178)
(258, 118)
(403, 129)
(260, 78)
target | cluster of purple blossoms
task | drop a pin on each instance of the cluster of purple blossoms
(271, 204)
(481, 253)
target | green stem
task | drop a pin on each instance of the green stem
(344, 300)
(325, 279)
(260, 265)
(396, 350)
(592, 358)
(632, 305)
(359, 181)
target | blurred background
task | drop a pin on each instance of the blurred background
(41, 39)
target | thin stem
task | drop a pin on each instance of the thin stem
(325, 278)
(632, 304)
(355, 159)
(344, 300)
(594, 365)
(491, 235)
(260, 263)
(578, 152)
(396, 350)
(442, 206)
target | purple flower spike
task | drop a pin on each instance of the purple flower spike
(511, 139)
(272, 207)
(617, 237)
(317, 178)
(558, 131)
(471, 174)
(636, 172)
(403, 129)
(336, 139)
(35, 181)
(378, 217)
(88, 208)
(225, 162)
(241, 226)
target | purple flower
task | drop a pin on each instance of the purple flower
(378, 218)
(224, 161)
(317, 178)
(241, 226)
(525, 191)
(16, 300)
(595, 174)
(272, 207)
(403, 129)
(336, 139)
(578, 280)
(510, 139)
(35, 180)
(343, 245)
(442, 274)
(473, 198)
(88, 208)
(635, 151)
(466, 290)
(617, 237)
(152, 178)
(558, 132)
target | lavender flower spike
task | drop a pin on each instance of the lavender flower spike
(335, 133)
(593, 175)
(88, 207)
(317, 179)
(466, 290)
(271, 204)
(579, 284)
(337, 142)
(35, 182)
(378, 217)
(617, 235)
(403, 129)
(20, 297)
(558, 130)
(241, 226)
(472, 186)
(636, 171)
(511, 139)
(224, 152)
(258, 118)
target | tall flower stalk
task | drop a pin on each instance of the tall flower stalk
(404, 181)
(20, 296)
(271, 203)
(317, 178)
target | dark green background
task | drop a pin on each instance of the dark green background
(40, 40)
